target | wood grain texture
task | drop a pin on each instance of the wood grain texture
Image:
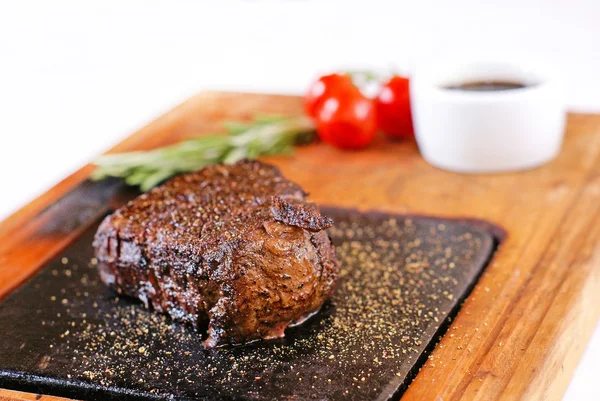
(10, 395)
(522, 331)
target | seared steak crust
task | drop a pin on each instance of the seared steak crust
(237, 246)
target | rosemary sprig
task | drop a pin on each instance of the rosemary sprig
(264, 136)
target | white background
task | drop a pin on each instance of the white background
(77, 76)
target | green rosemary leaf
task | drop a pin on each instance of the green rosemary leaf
(235, 155)
(269, 118)
(154, 179)
(268, 135)
(236, 128)
(137, 177)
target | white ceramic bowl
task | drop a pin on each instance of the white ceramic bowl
(491, 131)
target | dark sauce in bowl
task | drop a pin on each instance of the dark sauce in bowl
(486, 86)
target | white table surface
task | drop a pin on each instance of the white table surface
(76, 77)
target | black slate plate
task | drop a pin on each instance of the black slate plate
(403, 277)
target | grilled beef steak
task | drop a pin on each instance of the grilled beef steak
(237, 246)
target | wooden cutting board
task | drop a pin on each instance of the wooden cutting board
(523, 329)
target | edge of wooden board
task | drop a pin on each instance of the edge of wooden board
(11, 395)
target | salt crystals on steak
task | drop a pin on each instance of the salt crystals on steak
(237, 246)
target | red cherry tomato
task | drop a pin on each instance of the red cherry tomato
(347, 120)
(323, 88)
(393, 108)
